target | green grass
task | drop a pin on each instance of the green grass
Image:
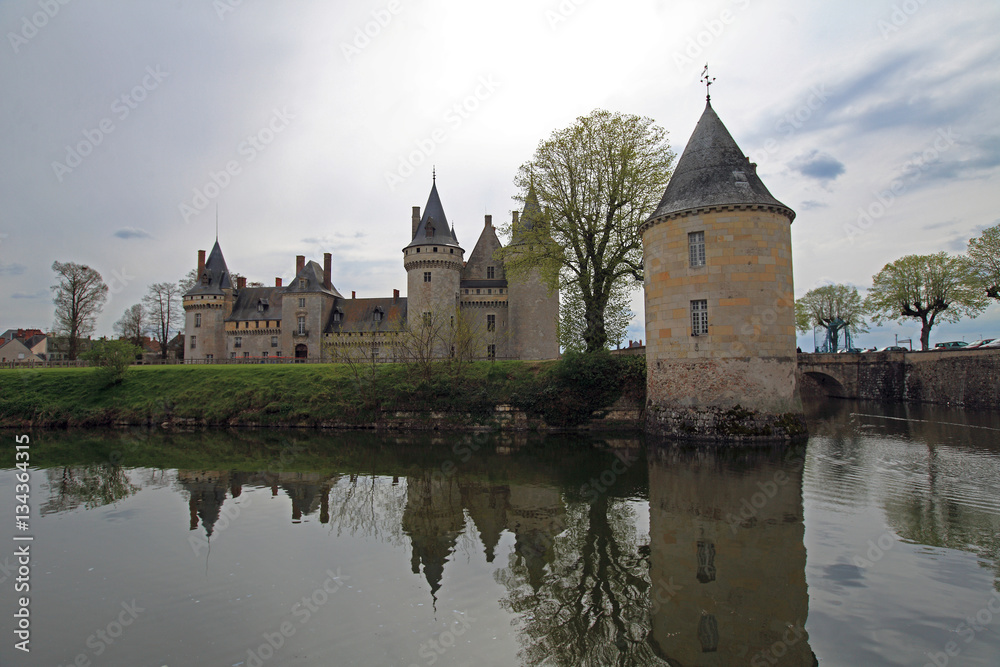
(309, 394)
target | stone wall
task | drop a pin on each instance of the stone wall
(968, 378)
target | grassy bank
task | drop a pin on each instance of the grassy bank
(563, 393)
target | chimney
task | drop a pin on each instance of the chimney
(277, 282)
(354, 295)
(201, 263)
(416, 221)
(489, 221)
(514, 217)
(300, 263)
(327, 266)
(395, 295)
(241, 282)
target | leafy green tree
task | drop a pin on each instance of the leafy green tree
(984, 253)
(833, 307)
(595, 183)
(80, 294)
(112, 359)
(930, 288)
(573, 320)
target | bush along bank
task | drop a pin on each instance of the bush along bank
(566, 394)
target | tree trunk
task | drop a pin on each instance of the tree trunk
(925, 334)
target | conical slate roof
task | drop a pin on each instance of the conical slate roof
(531, 216)
(713, 171)
(215, 278)
(434, 217)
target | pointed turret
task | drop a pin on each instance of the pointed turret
(529, 218)
(713, 171)
(214, 276)
(434, 228)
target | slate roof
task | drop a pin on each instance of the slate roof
(531, 216)
(312, 273)
(216, 275)
(247, 300)
(359, 314)
(434, 217)
(713, 171)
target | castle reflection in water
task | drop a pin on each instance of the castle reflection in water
(718, 580)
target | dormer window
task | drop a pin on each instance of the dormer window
(205, 279)
(429, 229)
(377, 315)
(489, 273)
(302, 283)
(338, 315)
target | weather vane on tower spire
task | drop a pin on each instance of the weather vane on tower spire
(707, 80)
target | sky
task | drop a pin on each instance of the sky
(312, 127)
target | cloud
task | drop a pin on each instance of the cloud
(821, 166)
(12, 269)
(41, 294)
(133, 233)
(810, 204)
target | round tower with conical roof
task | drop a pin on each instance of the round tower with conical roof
(720, 321)
(206, 306)
(433, 261)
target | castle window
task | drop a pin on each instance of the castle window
(337, 316)
(435, 248)
(377, 315)
(302, 325)
(418, 249)
(274, 341)
(209, 357)
(491, 351)
(302, 303)
(232, 355)
(489, 290)
(278, 353)
(264, 354)
(197, 319)
(427, 276)
(491, 322)
(489, 273)
(696, 248)
(699, 318)
(194, 342)
(302, 283)
(246, 355)
(477, 291)
(238, 341)
(451, 250)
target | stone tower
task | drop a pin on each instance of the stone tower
(720, 322)
(533, 307)
(206, 306)
(433, 262)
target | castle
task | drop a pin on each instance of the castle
(450, 303)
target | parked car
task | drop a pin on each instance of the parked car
(979, 343)
(852, 350)
(994, 344)
(951, 345)
(893, 348)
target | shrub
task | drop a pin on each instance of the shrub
(112, 359)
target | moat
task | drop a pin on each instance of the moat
(877, 542)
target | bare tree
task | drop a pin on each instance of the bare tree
(163, 311)
(132, 325)
(79, 297)
(188, 281)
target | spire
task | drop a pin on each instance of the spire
(215, 276)
(713, 171)
(434, 218)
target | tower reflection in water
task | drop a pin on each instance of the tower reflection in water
(727, 559)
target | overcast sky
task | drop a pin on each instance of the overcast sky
(313, 126)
